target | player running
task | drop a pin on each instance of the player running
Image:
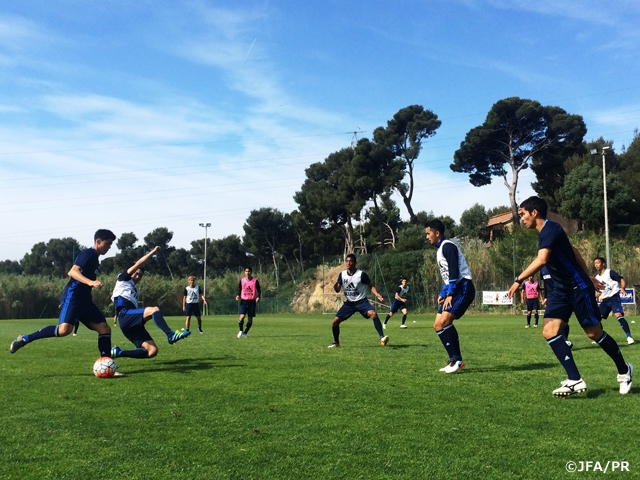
(573, 291)
(399, 303)
(610, 296)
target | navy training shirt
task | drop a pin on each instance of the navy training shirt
(89, 263)
(562, 265)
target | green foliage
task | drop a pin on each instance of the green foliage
(53, 258)
(473, 223)
(280, 405)
(498, 210)
(411, 237)
(11, 267)
(633, 235)
(582, 197)
(513, 253)
(516, 133)
(403, 137)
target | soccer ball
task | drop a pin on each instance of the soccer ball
(104, 367)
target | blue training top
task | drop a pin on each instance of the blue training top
(562, 265)
(89, 263)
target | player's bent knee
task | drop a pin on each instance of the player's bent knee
(65, 329)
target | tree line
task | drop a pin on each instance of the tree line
(345, 203)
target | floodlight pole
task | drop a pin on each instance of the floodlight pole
(206, 226)
(606, 210)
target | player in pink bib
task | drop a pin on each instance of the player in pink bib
(249, 296)
(531, 290)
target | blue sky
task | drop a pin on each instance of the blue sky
(138, 115)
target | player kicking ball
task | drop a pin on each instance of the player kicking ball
(132, 319)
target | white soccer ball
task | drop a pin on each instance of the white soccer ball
(104, 367)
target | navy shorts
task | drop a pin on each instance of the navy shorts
(581, 302)
(533, 304)
(248, 307)
(611, 305)
(349, 308)
(84, 311)
(463, 297)
(397, 305)
(132, 326)
(192, 309)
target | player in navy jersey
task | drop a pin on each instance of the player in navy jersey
(77, 304)
(354, 282)
(456, 295)
(573, 292)
(132, 319)
(548, 288)
(399, 303)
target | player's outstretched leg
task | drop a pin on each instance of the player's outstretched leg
(17, 344)
(174, 336)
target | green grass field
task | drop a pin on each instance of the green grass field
(279, 404)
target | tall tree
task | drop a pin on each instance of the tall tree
(630, 171)
(473, 223)
(514, 133)
(373, 173)
(582, 196)
(265, 232)
(53, 258)
(159, 237)
(11, 267)
(404, 136)
(328, 199)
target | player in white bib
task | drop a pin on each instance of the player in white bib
(456, 295)
(610, 296)
(354, 284)
(132, 319)
(399, 303)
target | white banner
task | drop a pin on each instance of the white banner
(496, 298)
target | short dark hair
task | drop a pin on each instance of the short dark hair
(436, 225)
(602, 260)
(535, 203)
(403, 278)
(104, 235)
(352, 256)
(249, 268)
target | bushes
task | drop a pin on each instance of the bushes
(35, 296)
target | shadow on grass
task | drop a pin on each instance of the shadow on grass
(182, 365)
(513, 368)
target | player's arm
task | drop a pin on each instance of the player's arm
(142, 260)
(258, 290)
(76, 274)
(538, 262)
(338, 284)
(374, 290)
(616, 277)
(184, 300)
(239, 290)
(204, 300)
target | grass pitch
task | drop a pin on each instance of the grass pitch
(279, 404)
